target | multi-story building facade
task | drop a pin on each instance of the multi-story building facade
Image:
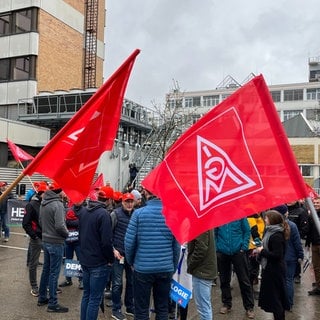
(51, 62)
(49, 45)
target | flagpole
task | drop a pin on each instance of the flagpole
(22, 166)
(11, 186)
(313, 214)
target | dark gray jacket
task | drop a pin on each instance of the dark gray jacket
(52, 218)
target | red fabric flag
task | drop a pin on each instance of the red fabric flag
(96, 185)
(311, 192)
(72, 156)
(235, 161)
(18, 153)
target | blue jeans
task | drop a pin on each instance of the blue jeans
(202, 297)
(94, 282)
(53, 254)
(70, 249)
(159, 283)
(117, 285)
(3, 224)
(290, 272)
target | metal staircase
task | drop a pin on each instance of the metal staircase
(157, 145)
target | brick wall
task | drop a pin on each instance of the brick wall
(60, 60)
(304, 153)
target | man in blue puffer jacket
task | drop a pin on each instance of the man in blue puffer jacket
(152, 250)
(232, 241)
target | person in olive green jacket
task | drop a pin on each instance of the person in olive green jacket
(202, 265)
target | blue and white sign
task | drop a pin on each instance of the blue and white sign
(72, 268)
(179, 294)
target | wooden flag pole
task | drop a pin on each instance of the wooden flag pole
(11, 186)
(27, 176)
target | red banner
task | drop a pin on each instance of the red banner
(235, 161)
(72, 156)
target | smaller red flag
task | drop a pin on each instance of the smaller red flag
(18, 153)
(312, 193)
(96, 185)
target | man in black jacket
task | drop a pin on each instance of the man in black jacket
(30, 224)
(96, 253)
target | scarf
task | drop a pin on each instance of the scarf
(270, 230)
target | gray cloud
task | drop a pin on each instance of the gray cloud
(198, 43)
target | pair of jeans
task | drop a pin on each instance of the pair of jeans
(290, 273)
(35, 246)
(316, 262)
(239, 262)
(117, 285)
(202, 297)
(70, 249)
(3, 224)
(159, 283)
(94, 281)
(52, 254)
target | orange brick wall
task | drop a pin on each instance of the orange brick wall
(60, 60)
(77, 4)
(61, 51)
(304, 153)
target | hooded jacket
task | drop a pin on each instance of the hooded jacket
(95, 235)
(30, 222)
(52, 218)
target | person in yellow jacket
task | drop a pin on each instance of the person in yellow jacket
(257, 227)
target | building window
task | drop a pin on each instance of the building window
(4, 69)
(18, 68)
(4, 24)
(196, 101)
(313, 114)
(288, 114)
(224, 96)
(210, 101)
(313, 94)
(293, 95)
(19, 21)
(306, 170)
(188, 102)
(314, 75)
(276, 96)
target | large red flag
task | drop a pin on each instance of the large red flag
(18, 153)
(235, 161)
(71, 157)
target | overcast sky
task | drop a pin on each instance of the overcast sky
(197, 43)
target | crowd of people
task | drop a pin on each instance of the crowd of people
(117, 236)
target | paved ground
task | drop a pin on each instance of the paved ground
(18, 304)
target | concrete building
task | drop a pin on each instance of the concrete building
(51, 63)
(47, 46)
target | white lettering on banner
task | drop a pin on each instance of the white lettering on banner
(73, 266)
(179, 291)
(17, 212)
